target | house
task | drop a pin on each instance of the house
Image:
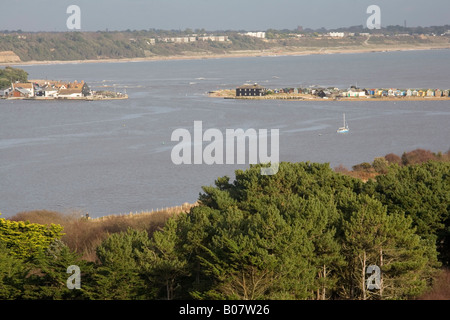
(50, 92)
(336, 34)
(355, 93)
(260, 34)
(22, 90)
(6, 92)
(253, 90)
(74, 89)
(70, 93)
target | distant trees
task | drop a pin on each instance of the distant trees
(9, 75)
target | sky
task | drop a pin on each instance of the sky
(211, 15)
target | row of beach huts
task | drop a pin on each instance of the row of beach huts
(353, 91)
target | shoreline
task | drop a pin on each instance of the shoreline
(344, 99)
(238, 54)
(229, 94)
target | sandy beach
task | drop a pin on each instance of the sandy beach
(282, 51)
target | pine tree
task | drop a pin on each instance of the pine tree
(119, 276)
(163, 262)
(372, 237)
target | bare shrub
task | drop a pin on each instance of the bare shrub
(417, 156)
(440, 289)
(392, 158)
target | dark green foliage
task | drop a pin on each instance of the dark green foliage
(9, 75)
(12, 274)
(306, 232)
(422, 192)
(119, 275)
(48, 279)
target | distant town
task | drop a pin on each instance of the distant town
(52, 90)
(256, 91)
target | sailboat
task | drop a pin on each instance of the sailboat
(343, 129)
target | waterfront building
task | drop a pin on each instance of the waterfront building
(252, 90)
(22, 90)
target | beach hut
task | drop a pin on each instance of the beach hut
(430, 93)
(438, 93)
(409, 93)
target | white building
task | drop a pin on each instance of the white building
(336, 34)
(70, 93)
(259, 34)
(50, 92)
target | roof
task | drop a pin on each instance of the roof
(70, 91)
(23, 91)
(27, 85)
(251, 86)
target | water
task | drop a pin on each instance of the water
(110, 157)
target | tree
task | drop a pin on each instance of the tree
(270, 236)
(372, 237)
(48, 277)
(422, 192)
(9, 75)
(13, 272)
(163, 262)
(119, 275)
(28, 240)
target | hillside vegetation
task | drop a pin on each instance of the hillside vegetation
(65, 46)
(307, 232)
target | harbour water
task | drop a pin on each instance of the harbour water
(111, 157)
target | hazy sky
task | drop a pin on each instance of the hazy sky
(50, 15)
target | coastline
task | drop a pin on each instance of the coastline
(241, 54)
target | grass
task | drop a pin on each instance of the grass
(85, 235)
